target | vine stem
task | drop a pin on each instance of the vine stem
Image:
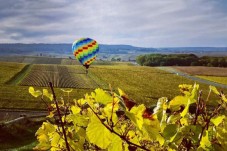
(121, 136)
(59, 114)
(208, 121)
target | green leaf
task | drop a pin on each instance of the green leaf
(170, 130)
(205, 142)
(97, 133)
(173, 118)
(135, 115)
(102, 97)
(217, 120)
(196, 130)
(214, 90)
(34, 93)
(47, 94)
(152, 131)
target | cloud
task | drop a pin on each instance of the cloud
(148, 23)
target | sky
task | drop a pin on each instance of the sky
(143, 23)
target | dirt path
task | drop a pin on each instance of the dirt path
(20, 75)
(10, 114)
(171, 70)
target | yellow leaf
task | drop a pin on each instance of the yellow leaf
(75, 109)
(47, 94)
(178, 101)
(51, 115)
(205, 142)
(185, 111)
(122, 93)
(217, 120)
(67, 91)
(97, 133)
(116, 144)
(34, 93)
(102, 97)
(223, 98)
(135, 115)
(214, 89)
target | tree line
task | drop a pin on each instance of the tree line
(180, 60)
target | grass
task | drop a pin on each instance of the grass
(144, 84)
(222, 80)
(204, 71)
(19, 136)
(8, 70)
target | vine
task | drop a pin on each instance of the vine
(110, 121)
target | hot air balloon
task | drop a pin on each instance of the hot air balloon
(85, 51)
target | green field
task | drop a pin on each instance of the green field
(143, 84)
(222, 80)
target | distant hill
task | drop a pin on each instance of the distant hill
(64, 50)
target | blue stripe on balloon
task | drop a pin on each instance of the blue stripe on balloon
(84, 57)
(89, 56)
(76, 45)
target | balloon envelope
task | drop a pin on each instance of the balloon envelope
(85, 50)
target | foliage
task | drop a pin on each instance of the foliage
(111, 121)
(180, 60)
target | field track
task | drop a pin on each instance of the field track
(179, 73)
(19, 76)
(203, 71)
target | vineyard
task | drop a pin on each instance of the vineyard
(60, 76)
(144, 84)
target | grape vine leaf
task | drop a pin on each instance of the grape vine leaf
(75, 109)
(79, 120)
(217, 120)
(205, 142)
(178, 101)
(185, 111)
(161, 107)
(47, 94)
(34, 93)
(116, 144)
(223, 98)
(97, 133)
(101, 96)
(55, 139)
(135, 115)
(169, 131)
(214, 89)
